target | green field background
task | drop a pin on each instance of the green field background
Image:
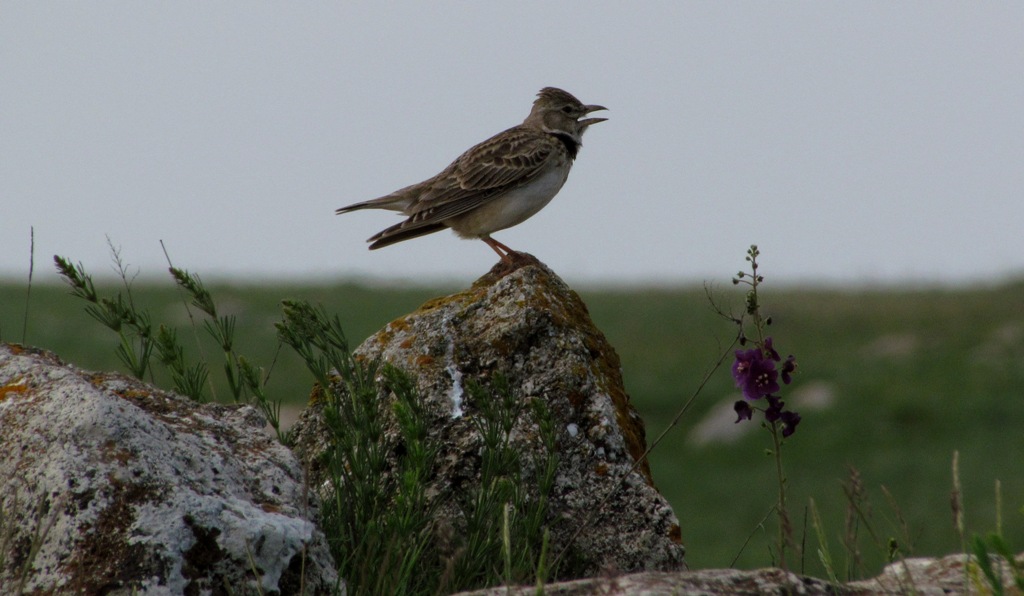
(903, 379)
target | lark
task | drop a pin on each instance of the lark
(496, 184)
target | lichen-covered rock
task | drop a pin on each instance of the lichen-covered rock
(529, 327)
(706, 582)
(952, 574)
(109, 486)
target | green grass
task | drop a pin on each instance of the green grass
(916, 374)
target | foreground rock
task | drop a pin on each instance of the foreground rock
(529, 327)
(922, 576)
(110, 486)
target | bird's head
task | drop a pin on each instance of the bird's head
(558, 112)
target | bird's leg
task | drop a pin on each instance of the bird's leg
(498, 248)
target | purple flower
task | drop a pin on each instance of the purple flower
(775, 413)
(788, 368)
(743, 410)
(789, 422)
(774, 410)
(754, 374)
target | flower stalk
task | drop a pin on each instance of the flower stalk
(757, 372)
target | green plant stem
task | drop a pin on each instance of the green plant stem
(781, 507)
(28, 291)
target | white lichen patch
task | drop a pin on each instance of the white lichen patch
(452, 368)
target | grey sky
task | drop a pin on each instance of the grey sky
(867, 141)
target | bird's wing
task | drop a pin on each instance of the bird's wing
(505, 161)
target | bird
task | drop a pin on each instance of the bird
(496, 184)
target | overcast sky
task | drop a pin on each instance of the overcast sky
(854, 141)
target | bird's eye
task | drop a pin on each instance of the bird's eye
(567, 109)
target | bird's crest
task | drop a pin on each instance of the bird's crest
(554, 94)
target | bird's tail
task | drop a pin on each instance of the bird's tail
(398, 233)
(388, 202)
(396, 201)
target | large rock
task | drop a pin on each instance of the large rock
(110, 486)
(528, 326)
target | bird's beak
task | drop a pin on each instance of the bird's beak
(590, 121)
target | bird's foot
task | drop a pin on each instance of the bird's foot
(513, 262)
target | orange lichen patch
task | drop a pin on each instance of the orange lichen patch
(675, 534)
(399, 325)
(389, 330)
(116, 452)
(16, 387)
(270, 508)
(424, 360)
(466, 296)
(316, 395)
(96, 379)
(577, 398)
(629, 421)
(601, 469)
(140, 397)
(133, 394)
(409, 341)
(434, 303)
